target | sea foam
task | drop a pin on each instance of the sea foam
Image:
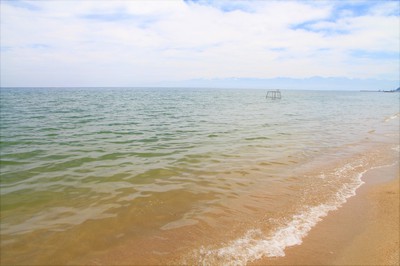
(397, 115)
(255, 244)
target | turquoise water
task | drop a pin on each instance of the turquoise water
(142, 163)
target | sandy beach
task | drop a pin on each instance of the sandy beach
(378, 243)
(365, 231)
(144, 132)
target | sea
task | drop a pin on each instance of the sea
(123, 176)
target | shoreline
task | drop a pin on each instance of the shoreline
(343, 237)
(364, 231)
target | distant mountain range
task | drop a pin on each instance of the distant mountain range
(398, 90)
(312, 83)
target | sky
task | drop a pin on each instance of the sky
(149, 43)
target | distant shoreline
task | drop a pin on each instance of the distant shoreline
(379, 91)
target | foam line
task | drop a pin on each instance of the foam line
(397, 115)
(254, 244)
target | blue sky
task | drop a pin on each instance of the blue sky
(146, 43)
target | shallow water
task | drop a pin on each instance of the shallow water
(123, 175)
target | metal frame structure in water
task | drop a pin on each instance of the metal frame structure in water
(273, 94)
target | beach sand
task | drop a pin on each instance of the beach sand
(364, 231)
(378, 244)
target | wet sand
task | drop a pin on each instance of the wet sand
(364, 231)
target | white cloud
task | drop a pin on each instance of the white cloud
(106, 43)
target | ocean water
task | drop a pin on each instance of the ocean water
(194, 176)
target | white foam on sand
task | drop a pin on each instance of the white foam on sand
(255, 244)
(397, 148)
(397, 115)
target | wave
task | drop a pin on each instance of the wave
(397, 115)
(255, 244)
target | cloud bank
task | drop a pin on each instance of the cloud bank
(142, 43)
